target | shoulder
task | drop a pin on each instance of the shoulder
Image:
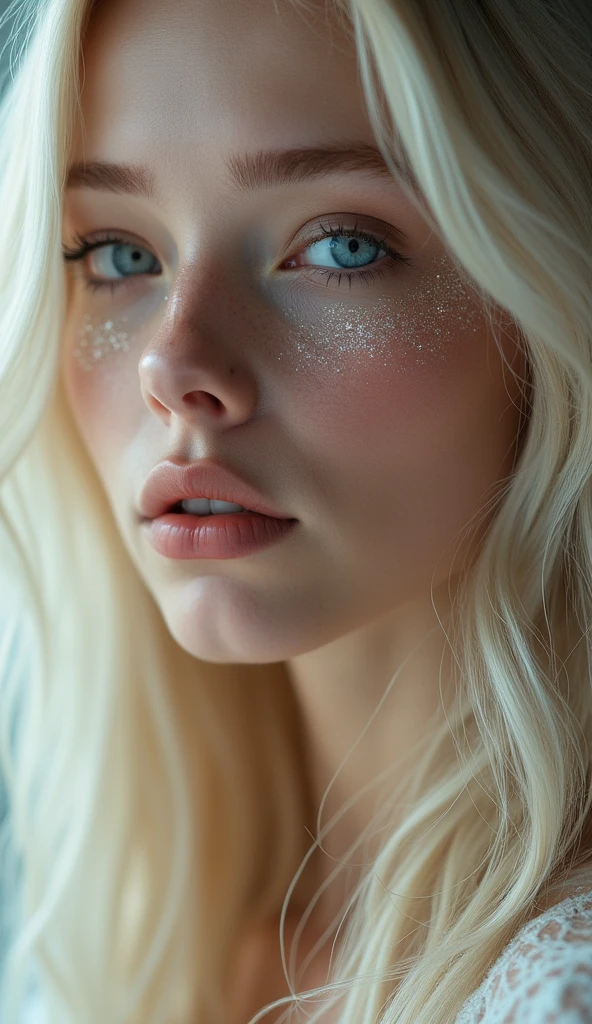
(544, 975)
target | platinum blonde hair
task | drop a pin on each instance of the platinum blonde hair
(157, 802)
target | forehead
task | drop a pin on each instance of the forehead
(198, 78)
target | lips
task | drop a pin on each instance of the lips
(171, 482)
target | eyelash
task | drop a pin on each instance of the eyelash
(83, 246)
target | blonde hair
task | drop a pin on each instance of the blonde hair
(158, 802)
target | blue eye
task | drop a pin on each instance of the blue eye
(128, 259)
(346, 252)
(343, 249)
(349, 247)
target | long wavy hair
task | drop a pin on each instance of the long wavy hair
(158, 802)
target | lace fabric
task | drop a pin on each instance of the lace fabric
(544, 975)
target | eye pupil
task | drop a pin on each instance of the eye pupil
(353, 246)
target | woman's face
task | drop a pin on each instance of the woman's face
(271, 326)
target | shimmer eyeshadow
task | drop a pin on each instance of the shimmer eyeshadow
(97, 339)
(413, 327)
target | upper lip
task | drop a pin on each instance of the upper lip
(169, 482)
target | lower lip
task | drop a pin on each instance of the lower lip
(232, 535)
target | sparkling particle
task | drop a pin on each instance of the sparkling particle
(100, 339)
(405, 331)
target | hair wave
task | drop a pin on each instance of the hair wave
(157, 802)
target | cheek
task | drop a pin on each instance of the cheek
(100, 364)
(389, 368)
(403, 407)
(100, 381)
(99, 339)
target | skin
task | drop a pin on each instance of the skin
(384, 461)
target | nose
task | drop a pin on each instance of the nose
(192, 368)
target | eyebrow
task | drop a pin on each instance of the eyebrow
(249, 171)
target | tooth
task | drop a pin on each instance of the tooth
(205, 507)
(225, 506)
(197, 506)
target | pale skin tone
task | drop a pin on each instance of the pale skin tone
(383, 467)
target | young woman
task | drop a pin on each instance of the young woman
(296, 512)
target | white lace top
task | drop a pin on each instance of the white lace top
(544, 975)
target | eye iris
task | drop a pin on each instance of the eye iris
(126, 257)
(348, 252)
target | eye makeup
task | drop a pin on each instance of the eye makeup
(413, 327)
(99, 339)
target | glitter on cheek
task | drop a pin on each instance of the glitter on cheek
(398, 331)
(99, 339)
